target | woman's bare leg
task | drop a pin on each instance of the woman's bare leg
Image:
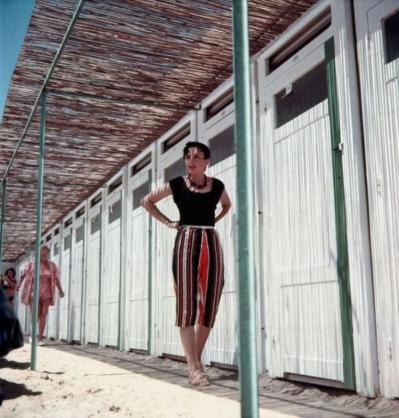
(43, 310)
(201, 337)
(187, 335)
(188, 339)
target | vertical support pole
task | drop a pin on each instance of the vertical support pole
(39, 213)
(3, 218)
(340, 220)
(245, 206)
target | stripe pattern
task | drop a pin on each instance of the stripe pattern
(198, 272)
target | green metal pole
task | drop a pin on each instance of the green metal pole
(340, 220)
(245, 209)
(39, 213)
(2, 221)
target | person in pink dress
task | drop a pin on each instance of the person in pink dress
(49, 280)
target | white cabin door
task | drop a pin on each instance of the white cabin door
(93, 274)
(170, 166)
(138, 267)
(77, 277)
(52, 316)
(65, 282)
(379, 62)
(222, 344)
(303, 281)
(112, 271)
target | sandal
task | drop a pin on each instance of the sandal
(197, 378)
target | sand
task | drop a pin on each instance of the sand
(68, 385)
(81, 381)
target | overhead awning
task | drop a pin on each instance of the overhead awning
(135, 67)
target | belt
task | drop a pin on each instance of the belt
(197, 226)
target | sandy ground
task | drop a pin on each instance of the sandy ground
(68, 385)
(84, 381)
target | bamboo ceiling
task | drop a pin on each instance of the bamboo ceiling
(170, 53)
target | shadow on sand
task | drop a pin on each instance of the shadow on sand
(10, 390)
(10, 364)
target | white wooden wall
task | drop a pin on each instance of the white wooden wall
(222, 346)
(23, 314)
(138, 276)
(77, 274)
(355, 201)
(94, 270)
(379, 86)
(53, 312)
(166, 338)
(65, 272)
(111, 278)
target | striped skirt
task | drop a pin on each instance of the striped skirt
(199, 275)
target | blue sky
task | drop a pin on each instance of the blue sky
(14, 21)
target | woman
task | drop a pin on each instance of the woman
(197, 257)
(49, 279)
(9, 282)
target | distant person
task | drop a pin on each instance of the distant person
(9, 283)
(197, 257)
(49, 280)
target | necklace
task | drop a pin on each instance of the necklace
(198, 186)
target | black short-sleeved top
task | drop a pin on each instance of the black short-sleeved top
(196, 208)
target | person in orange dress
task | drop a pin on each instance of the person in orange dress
(49, 280)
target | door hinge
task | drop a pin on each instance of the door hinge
(339, 147)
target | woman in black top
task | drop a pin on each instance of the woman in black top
(9, 283)
(197, 257)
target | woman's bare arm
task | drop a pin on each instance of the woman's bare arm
(226, 205)
(149, 204)
(57, 280)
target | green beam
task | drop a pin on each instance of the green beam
(39, 213)
(2, 221)
(340, 220)
(245, 208)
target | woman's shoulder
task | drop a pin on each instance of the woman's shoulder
(53, 266)
(176, 184)
(217, 183)
(176, 180)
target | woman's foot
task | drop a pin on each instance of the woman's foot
(198, 378)
(201, 368)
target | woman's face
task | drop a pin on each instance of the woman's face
(44, 253)
(195, 161)
(10, 274)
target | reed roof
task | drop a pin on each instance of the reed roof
(152, 61)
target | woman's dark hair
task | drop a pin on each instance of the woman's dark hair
(10, 269)
(202, 147)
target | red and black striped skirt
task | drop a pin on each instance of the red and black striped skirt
(198, 272)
